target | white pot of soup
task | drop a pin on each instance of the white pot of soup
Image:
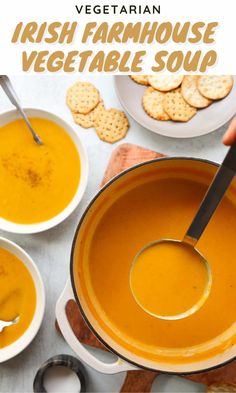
(153, 200)
(40, 186)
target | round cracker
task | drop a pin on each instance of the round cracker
(111, 125)
(215, 87)
(176, 107)
(165, 82)
(82, 97)
(88, 120)
(191, 93)
(153, 104)
(140, 79)
(220, 388)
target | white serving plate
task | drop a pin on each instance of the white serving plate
(205, 121)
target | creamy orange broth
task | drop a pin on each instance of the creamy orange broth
(17, 296)
(163, 274)
(36, 182)
(132, 216)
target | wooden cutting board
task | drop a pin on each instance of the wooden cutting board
(223, 379)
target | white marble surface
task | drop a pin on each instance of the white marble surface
(51, 250)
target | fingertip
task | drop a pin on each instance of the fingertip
(225, 140)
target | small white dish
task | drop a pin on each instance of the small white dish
(205, 121)
(12, 227)
(22, 342)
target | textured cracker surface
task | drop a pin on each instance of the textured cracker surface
(111, 125)
(221, 388)
(82, 97)
(140, 79)
(191, 93)
(165, 83)
(176, 107)
(88, 120)
(153, 104)
(215, 87)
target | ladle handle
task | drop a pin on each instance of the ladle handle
(11, 94)
(213, 197)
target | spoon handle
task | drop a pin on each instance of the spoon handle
(213, 197)
(4, 324)
(10, 92)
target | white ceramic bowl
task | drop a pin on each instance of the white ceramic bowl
(9, 226)
(22, 342)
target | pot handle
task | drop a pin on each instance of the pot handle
(78, 348)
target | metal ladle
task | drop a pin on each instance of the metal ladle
(8, 88)
(213, 197)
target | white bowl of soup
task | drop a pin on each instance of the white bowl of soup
(22, 295)
(152, 201)
(40, 186)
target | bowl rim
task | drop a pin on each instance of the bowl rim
(73, 284)
(13, 349)
(19, 228)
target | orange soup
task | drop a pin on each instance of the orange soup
(17, 297)
(161, 276)
(141, 210)
(36, 182)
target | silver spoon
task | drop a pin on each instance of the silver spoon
(8, 88)
(212, 199)
(4, 324)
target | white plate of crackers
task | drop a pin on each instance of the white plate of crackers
(178, 106)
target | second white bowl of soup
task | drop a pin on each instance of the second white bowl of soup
(22, 296)
(40, 186)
